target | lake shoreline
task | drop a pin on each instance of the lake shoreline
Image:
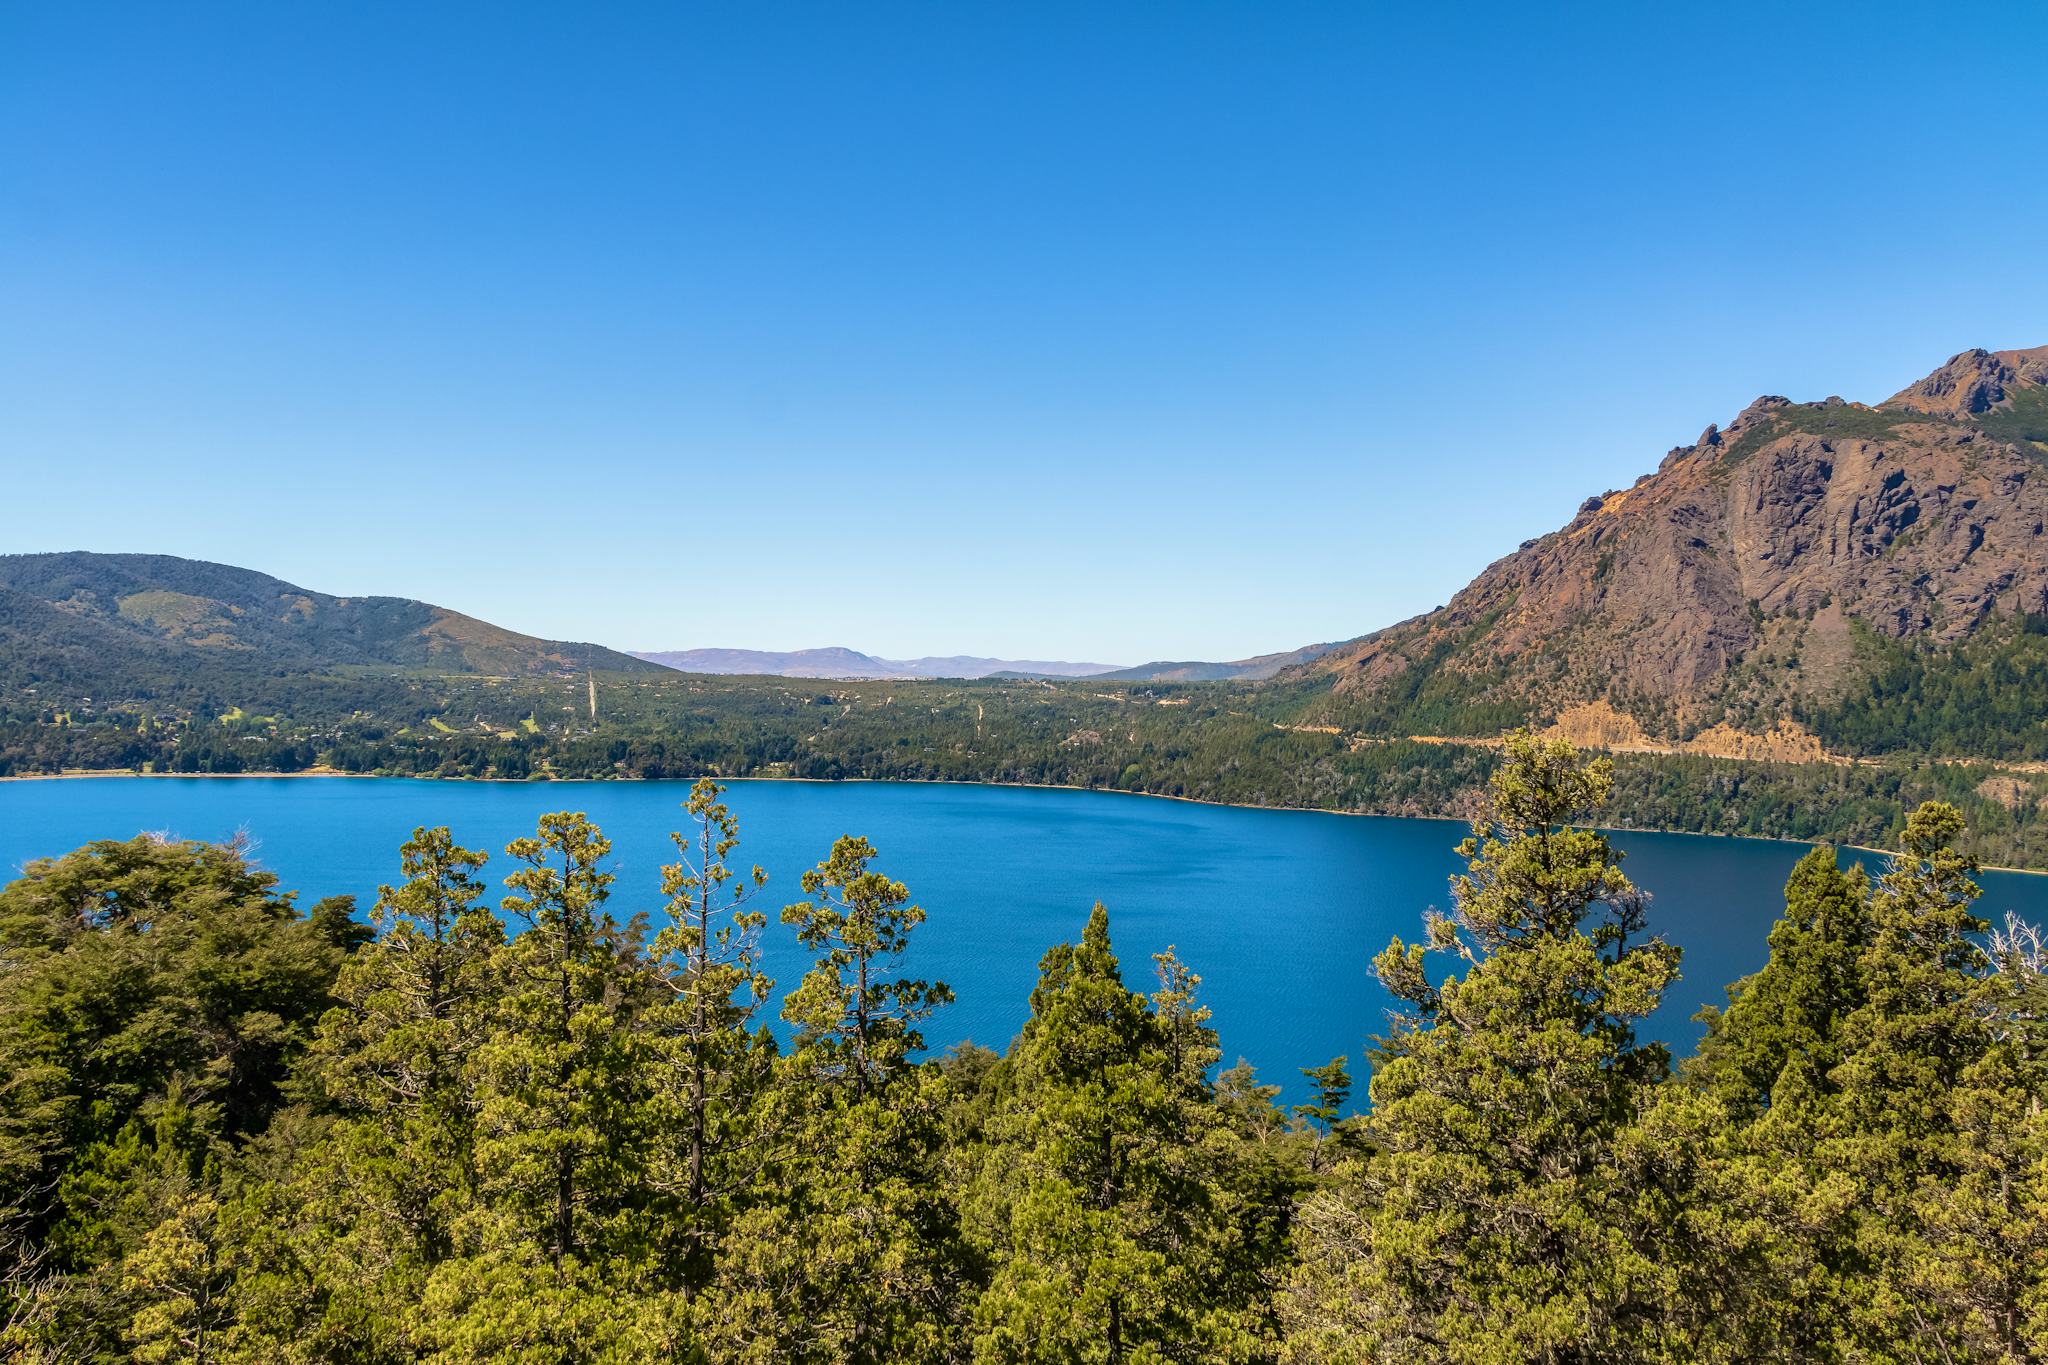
(328, 773)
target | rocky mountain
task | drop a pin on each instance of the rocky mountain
(1248, 670)
(76, 616)
(839, 662)
(1765, 572)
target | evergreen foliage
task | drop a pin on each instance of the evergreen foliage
(1499, 1217)
(1116, 1207)
(233, 1132)
(711, 1059)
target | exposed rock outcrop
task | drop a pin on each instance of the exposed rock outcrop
(1974, 382)
(1915, 518)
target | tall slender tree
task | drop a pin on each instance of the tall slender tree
(1794, 1008)
(858, 1260)
(555, 1068)
(1331, 1085)
(1924, 1025)
(713, 1064)
(410, 1011)
(1184, 1019)
(555, 1260)
(1763, 1232)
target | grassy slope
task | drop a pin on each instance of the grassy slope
(188, 614)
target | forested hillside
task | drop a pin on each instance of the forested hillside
(560, 1131)
(166, 620)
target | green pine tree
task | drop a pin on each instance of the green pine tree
(371, 1204)
(711, 1063)
(856, 1027)
(412, 1009)
(1758, 1224)
(1324, 1114)
(1498, 1218)
(1183, 1019)
(553, 1263)
(1108, 1196)
(1924, 1027)
(856, 1257)
(1795, 1007)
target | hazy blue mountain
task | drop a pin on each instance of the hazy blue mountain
(1260, 666)
(839, 662)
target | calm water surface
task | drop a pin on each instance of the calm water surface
(1280, 911)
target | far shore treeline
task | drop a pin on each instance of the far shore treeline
(1200, 741)
(234, 1129)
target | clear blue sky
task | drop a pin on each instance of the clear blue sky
(1108, 331)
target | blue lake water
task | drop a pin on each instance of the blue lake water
(1280, 911)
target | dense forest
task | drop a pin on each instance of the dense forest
(559, 1130)
(1208, 741)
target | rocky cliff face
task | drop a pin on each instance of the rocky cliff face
(1975, 382)
(1921, 518)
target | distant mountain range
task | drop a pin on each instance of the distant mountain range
(851, 664)
(111, 620)
(1240, 670)
(839, 662)
(1831, 577)
(102, 622)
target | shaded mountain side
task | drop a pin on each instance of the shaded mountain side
(1782, 567)
(840, 662)
(1252, 669)
(40, 644)
(114, 621)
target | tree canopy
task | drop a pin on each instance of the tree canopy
(561, 1129)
